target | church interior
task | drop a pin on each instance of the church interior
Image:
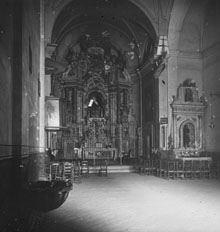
(89, 88)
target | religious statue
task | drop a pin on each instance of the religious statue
(188, 95)
(186, 136)
(95, 109)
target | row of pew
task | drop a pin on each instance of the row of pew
(72, 171)
(173, 169)
(67, 171)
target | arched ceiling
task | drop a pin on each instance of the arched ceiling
(188, 24)
(124, 15)
(211, 31)
(124, 22)
(193, 25)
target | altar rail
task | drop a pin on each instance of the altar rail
(100, 153)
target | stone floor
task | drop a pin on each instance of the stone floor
(133, 203)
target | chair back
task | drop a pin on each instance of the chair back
(55, 171)
(67, 171)
(85, 168)
(103, 168)
(188, 165)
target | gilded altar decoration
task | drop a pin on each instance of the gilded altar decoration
(95, 89)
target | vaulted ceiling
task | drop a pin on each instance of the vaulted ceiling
(123, 16)
(187, 24)
(124, 22)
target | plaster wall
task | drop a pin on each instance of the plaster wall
(6, 45)
(190, 68)
(211, 31)
(191, 31)
(211, 80)
(190, 58)
(211, 90)
(30, 72)
(163, 85)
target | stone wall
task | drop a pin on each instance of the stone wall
(6, 59)
(211, 81)
(30, 72)
(18, 101)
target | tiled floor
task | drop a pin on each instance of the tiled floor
(134, 203)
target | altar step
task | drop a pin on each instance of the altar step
(114, 169)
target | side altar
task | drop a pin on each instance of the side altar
(188, 113)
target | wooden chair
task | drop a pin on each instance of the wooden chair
(214, 169)
(196, 169)
(179, 169)
(85, 168)
(188, 169)
(68, 171)
(163, 168)
(48, 171)
(55, 171)
(171, 169)
(158, 168)
(77, 177)
(145, 168)
(205, 169)
(103, 168)
(155, 164)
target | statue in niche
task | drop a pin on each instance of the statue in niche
(186, 136)
(95, 109)
(189, 135)
(85, 42)
(188, 97)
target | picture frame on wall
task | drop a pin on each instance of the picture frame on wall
(52, 112)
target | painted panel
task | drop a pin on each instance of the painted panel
(53, 112)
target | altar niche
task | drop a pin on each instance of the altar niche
(96, 105)
(187, 135)
(96, 88)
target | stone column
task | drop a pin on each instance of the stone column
(175, 134)
(171, 87)
(42, 140)
(120, 142)
(79, 108)
(113, 115)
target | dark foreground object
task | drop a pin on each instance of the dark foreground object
(23, 211)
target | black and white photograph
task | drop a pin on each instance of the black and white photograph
(109, 115)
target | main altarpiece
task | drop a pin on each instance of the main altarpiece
(95, 93)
